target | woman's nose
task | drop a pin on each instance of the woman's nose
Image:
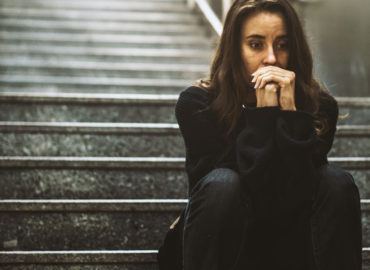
(270, 57)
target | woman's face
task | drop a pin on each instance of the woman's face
(264, 42)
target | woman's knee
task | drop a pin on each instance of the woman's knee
(221, 187)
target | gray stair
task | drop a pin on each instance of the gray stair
(88, 15)
(102, 69)
(25, 52)
(88, 84)
(128, 139)
(87, 107)
(172, 7)
(88, 132)
(104, 224)
(87, 224)
(100, 27)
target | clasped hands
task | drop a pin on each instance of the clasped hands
(274, 87)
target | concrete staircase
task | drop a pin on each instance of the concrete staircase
(92, 168)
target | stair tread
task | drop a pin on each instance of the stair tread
(90, 256)
(122, 205)
(104, 51)
(102, 205)
(127, 98)
(145, 128)
(94, 27)
(100, 5)
(80, 256)
(91, 38)
(93, 81)
(184, 17)
(135, 162)
(102, 66)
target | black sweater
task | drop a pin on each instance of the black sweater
(275, 151)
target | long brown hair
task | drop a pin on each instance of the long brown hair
(227, 83)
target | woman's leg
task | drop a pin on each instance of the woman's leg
(213, 222)
(336, 221)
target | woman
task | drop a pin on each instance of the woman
(257, 132)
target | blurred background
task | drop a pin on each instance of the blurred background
(91, 158)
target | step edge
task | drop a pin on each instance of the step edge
(91, 256)
(107, 205)
(131, 128)
(165, 99)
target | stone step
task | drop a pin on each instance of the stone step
(68, 260)
(102, 69)
(96, 224)
(92, 177)
(25, 52)
(65, 84)
(115, 16)
(90, 139)
(133, 128)
(353, 140)
(107, 40)
(94, 183)
(89, 183)
(145, 5)
(77, 256)
(356, 110)
(34, 25)
(86, 224)
(87, 107)
(348, 163)
(124, 162)
(128, 139)
(67, 107)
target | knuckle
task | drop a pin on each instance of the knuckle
(286, 80)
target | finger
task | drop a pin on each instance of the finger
(264, 79)
(266, 69)
(263, 72)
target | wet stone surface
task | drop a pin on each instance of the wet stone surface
(88, 113)
(140, 145)
(80, 267)
(99, 231)
(92, 184)
(362, 180)
(350, 147)
(137, 145)
(86, 231)
(111, 184)
(356, 116)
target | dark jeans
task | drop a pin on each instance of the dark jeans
(217, 226)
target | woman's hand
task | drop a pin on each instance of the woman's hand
(267, 96)
(285, 80)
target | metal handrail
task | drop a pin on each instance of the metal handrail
(208, 14)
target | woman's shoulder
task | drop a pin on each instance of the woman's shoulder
(195, 92)
(193, 102)
(193, 97)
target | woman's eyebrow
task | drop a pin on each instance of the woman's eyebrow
(263, 37)
(255, 36)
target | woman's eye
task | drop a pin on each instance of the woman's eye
(255, 45)
(282, 46)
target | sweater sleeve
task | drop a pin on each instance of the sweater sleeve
(205, 148)
(274, 157)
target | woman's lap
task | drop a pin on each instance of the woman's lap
(216, 217)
